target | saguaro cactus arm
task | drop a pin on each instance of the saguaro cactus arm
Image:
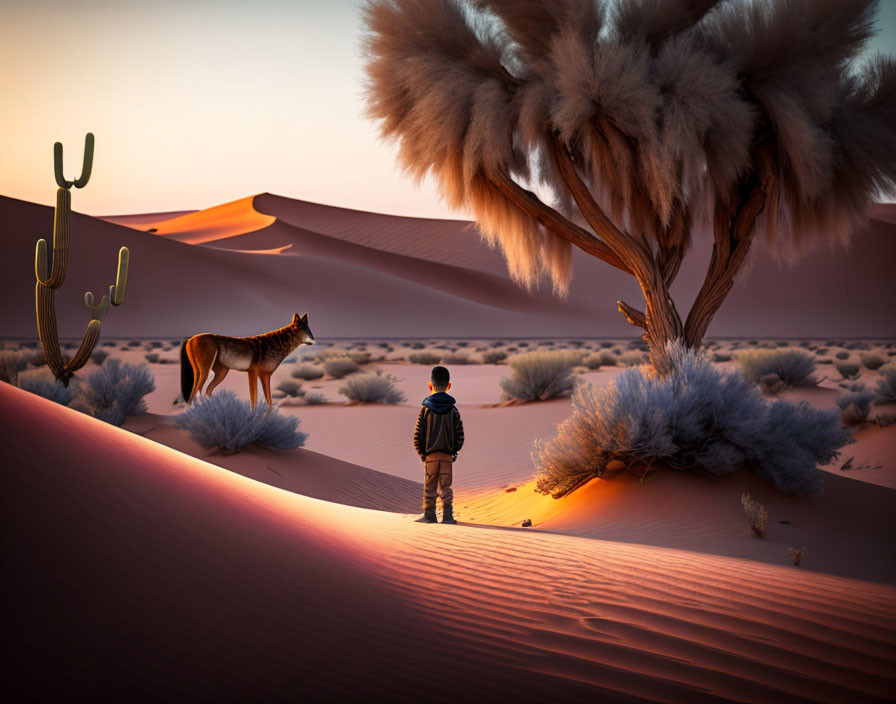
(52, 273)
(121, 277)
(85, 169)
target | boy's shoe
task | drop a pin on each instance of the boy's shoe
(429, 516)
(448, 514)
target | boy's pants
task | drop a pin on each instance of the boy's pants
(438, 477)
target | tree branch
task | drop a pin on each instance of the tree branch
(733, 235)
(553, 221)
(632, 315)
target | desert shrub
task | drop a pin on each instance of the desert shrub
(227, 422)
(842, 355)
(315, 398)
(886, 385)
(522, 344)
(109, 343)
(539, 376)
(796, 554)
(856, 345)
(592, 361)
(307, 372)
(99, 356)
(417, 345)
(872, 361)
(793, 367)
(456, 358)
(632, 359)
(152, 357)
(608, 359)
(425, 358)
(721, 357)
(770, 384)
(359, 357)
(48, 387)
(371, 388)
(11, 363)
(116, 390)
(291, 388)
(855, 406)
(756, 513)
(494, 356)
(134, 343)
(340, 367)
(156, 344)
(695, 417)
(848, 370)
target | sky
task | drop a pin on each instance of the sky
(195, 103)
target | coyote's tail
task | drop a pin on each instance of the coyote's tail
(186, 373)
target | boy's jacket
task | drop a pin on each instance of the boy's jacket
(438, 428)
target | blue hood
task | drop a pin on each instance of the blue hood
(439, 402)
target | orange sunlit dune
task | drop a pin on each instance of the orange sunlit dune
(232, 219)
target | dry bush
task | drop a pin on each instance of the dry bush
(792, 366)
(425, 357)
(359, 357)
(633, 359)
(224, 421)
(842, 355)
(291, 388)
(99, 356)
(796, 554)
(593, 361)
(695, 417)
(756, 513)
(315, 398)
(848, 370)
(340, 367)
(494, 357)
(871, 361)
(115, 391)
(371, 388)
(457, 358)
(721, 357)
(307, 372)
(886, 385)
(539, 376)
(855, 406)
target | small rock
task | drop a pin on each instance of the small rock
(510, 488)
(614, 465)
(527, 523)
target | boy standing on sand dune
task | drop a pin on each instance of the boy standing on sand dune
(438, 437)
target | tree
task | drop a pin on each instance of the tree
(618, 127)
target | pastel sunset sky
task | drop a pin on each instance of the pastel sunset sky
(198, 103)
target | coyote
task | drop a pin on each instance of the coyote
(259, 355)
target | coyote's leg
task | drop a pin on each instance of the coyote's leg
(220, 372)
(253, 386)
(202, 356)
(266, 387)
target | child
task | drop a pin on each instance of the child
(438, 437)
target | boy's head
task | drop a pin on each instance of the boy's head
(439, 380)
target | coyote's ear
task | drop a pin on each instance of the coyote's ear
(304, 318)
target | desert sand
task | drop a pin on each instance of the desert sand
(350, 268)
(134, 567)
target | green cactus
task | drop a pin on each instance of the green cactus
(50, 269)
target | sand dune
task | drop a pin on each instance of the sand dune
(208, 585)
(143, 221)
(460, 288)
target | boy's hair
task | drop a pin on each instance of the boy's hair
(440, 378)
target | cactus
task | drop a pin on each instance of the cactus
(50, 269)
